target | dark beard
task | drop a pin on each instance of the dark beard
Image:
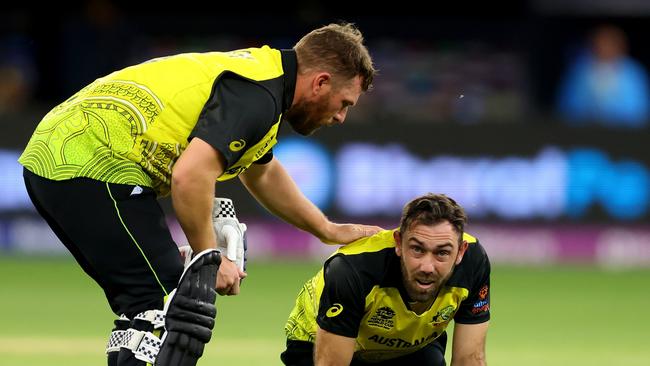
(411, 290)
(301, 119)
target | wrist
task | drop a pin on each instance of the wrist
(198, 247)
(327, 233)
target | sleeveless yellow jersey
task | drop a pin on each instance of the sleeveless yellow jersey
(368, 302)
(131, 126)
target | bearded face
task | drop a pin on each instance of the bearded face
(326, 105)
(428, 255)
(423, 286)
(306, 116)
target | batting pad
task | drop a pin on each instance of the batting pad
(190, 312)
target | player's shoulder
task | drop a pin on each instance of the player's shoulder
(365, 270)
(368, 258)
(369, 244)
(475, 263)
(241, 85)
(251, 95)
(475, 254)
(369, 253)
(469, 238)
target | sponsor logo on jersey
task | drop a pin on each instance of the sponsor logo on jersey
(443, 315)
(335, 310)
(136, 191)
(237, 145)
(483, 292)
(480, 303)
(383, 318)
(480, 306)
(265, 148)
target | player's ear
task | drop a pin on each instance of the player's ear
(398, 242)
(320, 81)
(461, 251)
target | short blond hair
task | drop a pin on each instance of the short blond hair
(338, 49)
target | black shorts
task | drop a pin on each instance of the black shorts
(300, 353)
(118, 235)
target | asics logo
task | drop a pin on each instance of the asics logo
(237, 145)
(136, 191)
(335, 310)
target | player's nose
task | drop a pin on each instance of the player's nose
(427, 266)
(340, 116)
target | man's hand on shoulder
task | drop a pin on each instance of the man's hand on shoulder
(347, 233)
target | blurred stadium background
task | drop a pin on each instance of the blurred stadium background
(475, 103)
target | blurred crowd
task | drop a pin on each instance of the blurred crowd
(423, 78)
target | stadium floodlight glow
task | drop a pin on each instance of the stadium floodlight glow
(311, 166)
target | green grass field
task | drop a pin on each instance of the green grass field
(52, 314)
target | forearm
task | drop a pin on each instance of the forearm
(277, 192)
(332, 350)
(299, 212)
(468, 347)
(193, 180)
(192, 201)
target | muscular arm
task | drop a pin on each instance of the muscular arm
(332, 349)
(193, 179)
(469, 344)
(272, 186)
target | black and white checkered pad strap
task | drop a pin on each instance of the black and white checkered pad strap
(144, 345)
(116, 341)
(155, 317)
(147, 348)
(224, 208)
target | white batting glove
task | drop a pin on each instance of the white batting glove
(231, 234)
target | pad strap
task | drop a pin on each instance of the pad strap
(116, 338)
(155, 317)
(144, 345)
(116, 341)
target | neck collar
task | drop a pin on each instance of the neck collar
(290, 68)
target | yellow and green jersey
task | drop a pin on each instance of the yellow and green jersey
(359, 294)
(131, 126)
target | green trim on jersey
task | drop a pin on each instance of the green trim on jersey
(131, 126)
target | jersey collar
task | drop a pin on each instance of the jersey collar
(290, 68)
